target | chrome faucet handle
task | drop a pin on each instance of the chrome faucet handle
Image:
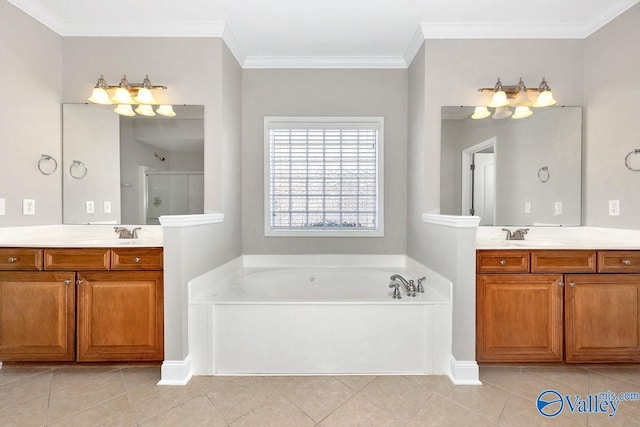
(420, 287)
(122, 232)
(411, 289)
(396, 290)
(519, 234)
(509, 234)
(134, 232)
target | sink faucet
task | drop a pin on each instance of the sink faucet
(124, 233)
(516, 235)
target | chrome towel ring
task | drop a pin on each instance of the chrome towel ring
(80, 168)
(626, 160)
(543, 174)
(43, 161)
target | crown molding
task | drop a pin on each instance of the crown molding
(39, 13)
(143, 28)
(234, 45)
(325, 62)
(414, 45)
(501, 30)
(608, 15)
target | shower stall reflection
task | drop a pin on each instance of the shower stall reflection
(172, 193)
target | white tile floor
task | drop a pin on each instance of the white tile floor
(129, 396)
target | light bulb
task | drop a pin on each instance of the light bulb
(480, 113)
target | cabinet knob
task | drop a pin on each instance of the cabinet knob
(626, 261)
(79, 282)
(561, 284)
(67, 282)
(12, 259)
(573, 285)
(503, 262)
(136, 259)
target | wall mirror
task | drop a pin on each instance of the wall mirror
(513, 172)
(131, 170)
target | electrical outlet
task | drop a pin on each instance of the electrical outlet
(527, 207)
(90, 207)
(614, 207)
(2, 206)
(28, 207)
(557, 208)
(106, 206)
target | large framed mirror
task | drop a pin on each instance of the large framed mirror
(513, 172)
(131, 170)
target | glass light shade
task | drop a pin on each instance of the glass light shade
(122, 96)
(480, 113)
(100, 96)
(522, 112)
(502, 113)
(144, 96)
(545, 99)
(145, 110)
(499, 99)
(166, 110)
(124, 110)
(523, 100)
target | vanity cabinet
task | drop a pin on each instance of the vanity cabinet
(87, 305)
(562, 305)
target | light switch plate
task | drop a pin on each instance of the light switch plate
(557, 208)
(106, 206)
(527, 207)
(614, 207)
(28, 207)
(2, 206)
(90, 207)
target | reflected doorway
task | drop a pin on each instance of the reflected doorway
(479, 181)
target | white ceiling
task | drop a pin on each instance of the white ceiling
(326, 33)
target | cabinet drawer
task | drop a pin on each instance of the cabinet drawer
(502, 261)
(20, 259)
(563, 261)
(136, 259)
(619, 262)
(76, 259)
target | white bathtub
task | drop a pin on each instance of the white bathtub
(312, 315)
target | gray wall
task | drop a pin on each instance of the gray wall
(325, 93)
(31, 71)
(612, 65)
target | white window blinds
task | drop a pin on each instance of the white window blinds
(324, 176)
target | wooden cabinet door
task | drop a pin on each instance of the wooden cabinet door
(602, 317)
(37, 316)
(120, 316)
(519, 318)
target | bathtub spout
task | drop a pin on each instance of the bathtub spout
(408, 285)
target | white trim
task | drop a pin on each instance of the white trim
(288, 121)
(608, 15)
(503, 30)
(464, 372)
(453, 221)
(190, 220)
(414, 46)
(321, 62)
(175, 372)
(234, 45)
(143, 28)
(40, 13)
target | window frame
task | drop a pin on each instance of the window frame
(376, 123)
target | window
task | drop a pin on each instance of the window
(323, 176)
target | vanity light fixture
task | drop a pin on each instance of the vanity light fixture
(516, 96)
(126, 94)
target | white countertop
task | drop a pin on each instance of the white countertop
(559, 238)
(78, 236)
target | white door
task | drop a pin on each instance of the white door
(484, 187)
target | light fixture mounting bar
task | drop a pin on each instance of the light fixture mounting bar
(135, 86)
(509, 90)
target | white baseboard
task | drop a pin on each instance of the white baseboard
(464, 372)
(175, 372)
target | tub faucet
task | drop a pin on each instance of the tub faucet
(516, 235)
(124, 233)
(408, 285)
(420, 287)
